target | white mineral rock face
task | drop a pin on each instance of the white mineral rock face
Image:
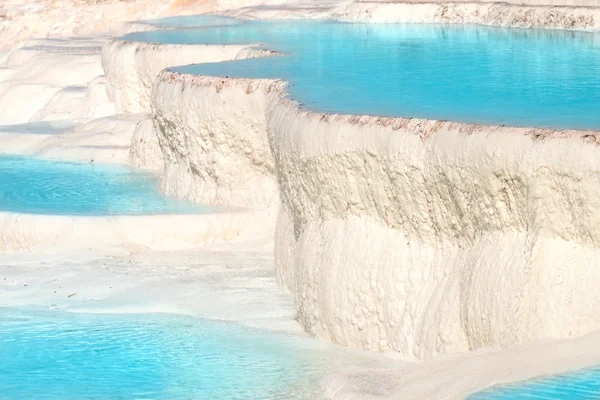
(132, 67)
(534, 14)
(77, 102)
(131, 70)
(145, 150)
(40, 72)
(20, 232)
(422, 237)
(431, 237)
(24, 19)
(418, 236)
(54, 104)
(213, 140)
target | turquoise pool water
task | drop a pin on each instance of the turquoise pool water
(58, 355)
(478, 74)
(579, 385)
(32, 185)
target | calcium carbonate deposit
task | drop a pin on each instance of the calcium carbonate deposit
(430, 192)
(420, 236)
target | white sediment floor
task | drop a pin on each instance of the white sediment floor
(228, 281)
(55, 102)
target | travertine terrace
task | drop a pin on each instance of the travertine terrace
(463, 208)
(419, 237)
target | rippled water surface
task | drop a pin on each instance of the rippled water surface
(579, 385)
(57, 355)
(31, 185)
(476, 74)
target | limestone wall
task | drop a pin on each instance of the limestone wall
(560, 16)
(423, 237)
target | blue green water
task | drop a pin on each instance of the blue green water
(58, 355)
(32, 185)
(479, 74)
(579, 385)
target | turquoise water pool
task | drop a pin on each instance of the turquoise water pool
(58, 355)
(478, 74)
(579, 385)
(32, 185)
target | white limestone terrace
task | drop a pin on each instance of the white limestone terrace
(456, 377)
(484, 219)
(496, 226)
(54, 104)
(22, 20)
(131, 67)
(549, 14)
(581, 15)
(22, 232)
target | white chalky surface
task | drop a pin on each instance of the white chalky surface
(468, 245)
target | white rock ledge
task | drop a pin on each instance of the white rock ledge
(155, 232)
(132, 67)
(145, 150)
(213, 139)
(538, 14)
(423, 237)
(430, 237)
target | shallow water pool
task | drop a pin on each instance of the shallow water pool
(58, 355)
(477, 74)
(37, 186)
(579, 385)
